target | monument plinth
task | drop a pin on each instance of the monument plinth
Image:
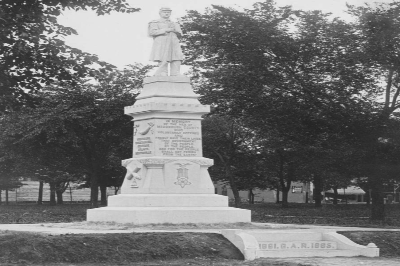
(167, 178)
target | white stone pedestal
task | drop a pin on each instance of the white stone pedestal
(167, 180)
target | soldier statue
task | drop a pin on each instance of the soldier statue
(166, 48)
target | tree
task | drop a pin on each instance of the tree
(77, 131)
(289, 74)
(34, 155)
(234, 150)
(378, 36)
(251, 173)
(8, 181)
(58, 179)
(32, 50)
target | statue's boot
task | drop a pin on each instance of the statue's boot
(176, 68)
(162, 69)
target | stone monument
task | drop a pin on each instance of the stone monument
(167, 178)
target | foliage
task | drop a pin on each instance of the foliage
(7, 180)
(234, 150)
(291, 75)
(384, 162)
(377, 38)
(77, 131)
(378, 30)
(33, 53)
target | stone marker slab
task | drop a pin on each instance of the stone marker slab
(314, 244)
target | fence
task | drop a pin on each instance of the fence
(29, 192)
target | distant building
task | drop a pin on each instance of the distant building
(351, 194)
(298, 193)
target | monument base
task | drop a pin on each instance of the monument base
(167, 179)
(168, 208)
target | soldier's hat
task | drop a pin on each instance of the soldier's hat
(165, 9)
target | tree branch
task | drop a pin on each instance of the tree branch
(396, 95)
(388, 87)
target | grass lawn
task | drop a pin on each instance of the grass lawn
(18, 247)
(29, 213)
(338, 215)
(172, 248)
(329, 214)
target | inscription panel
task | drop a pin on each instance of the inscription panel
(167, 137)
(178, 137)
(297, 245)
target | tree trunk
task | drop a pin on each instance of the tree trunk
(289, 175)
(94, 191)
(52, 193)
(94, 169)
(368, 197)
(232, 184)
(375, 183)
(70, 193)
(236, 195)
(94, 188)
(285, 194)
(7, 197)
(59, 194)
(317, 191)
(378, 205)
(40, 196)
(0, 197)
(103, 195)
(277, 196)
(94, 196)
(251, 196)
(335, 196)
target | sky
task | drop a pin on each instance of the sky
(121, 39)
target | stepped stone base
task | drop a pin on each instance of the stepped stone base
(173, 215)
(168, 200)
(168, 208)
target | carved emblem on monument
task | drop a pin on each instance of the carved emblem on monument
(144, 132)
(183, 176)
(134, 176)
